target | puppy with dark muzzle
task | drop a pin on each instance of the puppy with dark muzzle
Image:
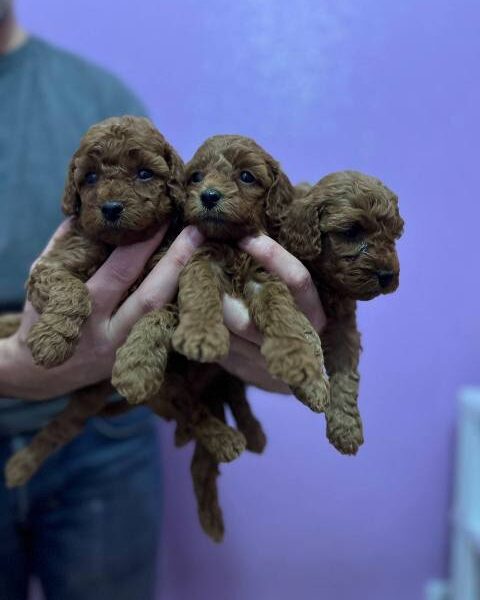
(235, 189)
(344, 229)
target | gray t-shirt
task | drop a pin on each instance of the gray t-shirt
(48, 99)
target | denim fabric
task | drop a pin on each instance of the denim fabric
(87, 524)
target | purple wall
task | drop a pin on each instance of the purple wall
(388, 88)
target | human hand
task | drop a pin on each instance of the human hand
(109, 323)
(245, 359)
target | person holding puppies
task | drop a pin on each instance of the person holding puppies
(104, 488)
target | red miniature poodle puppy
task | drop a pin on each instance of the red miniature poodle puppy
(235, 189)
(344, 229)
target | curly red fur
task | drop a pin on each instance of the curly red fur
(344, 228)
(252, 196)
(114, 150)
(104, 170)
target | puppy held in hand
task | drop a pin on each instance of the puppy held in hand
(235, 189)
(122, 184)
(344, 229)
(124, 181)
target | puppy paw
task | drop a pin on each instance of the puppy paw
(225, 445)
(256, 440)
(137, 385)
(50, 347)
(314, 394)
(20, 468)
(294, 362)
(345, 431)
(203, 343)
(38, 296)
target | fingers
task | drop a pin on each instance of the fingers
(295, 275)
(237, 319)
(247, 363)
(160, 287)
(119, 272)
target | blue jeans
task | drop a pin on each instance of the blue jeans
(87, 524)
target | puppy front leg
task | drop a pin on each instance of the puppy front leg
(139, 369)
(342, 351)
(57, 290)
(201, 334)
(53, 338)
(84, 403)
(291, 347)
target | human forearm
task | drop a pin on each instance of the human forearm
(18, 379)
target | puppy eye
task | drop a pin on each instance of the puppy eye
(144, 174)
(247, 177)
(353, 232)
(196, 177)
(90, 178)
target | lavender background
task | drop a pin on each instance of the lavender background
(388, 88)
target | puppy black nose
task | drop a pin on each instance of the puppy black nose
(385, 278)
(210, 197)
(112, 210)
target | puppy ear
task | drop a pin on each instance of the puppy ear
(176, 179)
(279, 197)
(71, 198)
(300, 231)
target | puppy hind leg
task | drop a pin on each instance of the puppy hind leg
(222, 441)
(65, 427)
(195, 419)
(234, 392)
(342, 353)
(205, 472)
(139, 369)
